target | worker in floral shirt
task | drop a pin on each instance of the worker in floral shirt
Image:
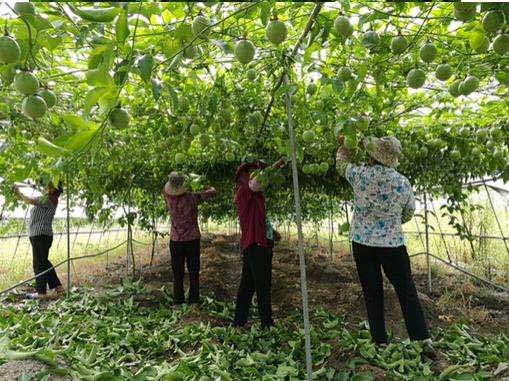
(185, 236)
(383, 201)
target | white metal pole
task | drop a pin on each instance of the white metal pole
(426, 232)
(68, 234)
(300, 246)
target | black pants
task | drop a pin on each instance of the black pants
(186, 252)
(256, 276)
(396, 266)
(40, 252)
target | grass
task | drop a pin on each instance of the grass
(16, 254)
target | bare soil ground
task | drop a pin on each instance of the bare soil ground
(332, 284)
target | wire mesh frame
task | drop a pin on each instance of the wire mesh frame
(426, 243)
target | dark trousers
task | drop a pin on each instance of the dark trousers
(186, 252)
(256, 277)
(40, 252)
(396, 266)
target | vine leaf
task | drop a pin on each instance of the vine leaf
(91, 99)
(121, 28)
(47, 148)
(156, 86)
(145, 65)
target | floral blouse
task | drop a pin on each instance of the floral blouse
(383, 201)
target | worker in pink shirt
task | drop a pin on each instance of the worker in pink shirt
(185, 235)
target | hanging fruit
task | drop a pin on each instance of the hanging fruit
(276, 31)
(244, 51)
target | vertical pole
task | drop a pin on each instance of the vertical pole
(68, 233)
(419, 232)
(496, 217)
(350, 250)
(426, 234)
(128, 253)
(331, 226)
(441, 231)
(300, 246)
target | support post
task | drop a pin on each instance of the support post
(350, 249)
(441, 231)
(68, 218)
(331, 226)
(426, 235)
(496, 217)
(298, 220)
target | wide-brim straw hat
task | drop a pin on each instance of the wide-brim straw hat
(176, 184)
(385, 150)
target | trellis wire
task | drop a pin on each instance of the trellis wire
(22, 228)
(440, 230)
(58, 265)
(466, 272)
(496, 217)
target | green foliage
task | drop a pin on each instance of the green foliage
(125, 334)
(358, 56)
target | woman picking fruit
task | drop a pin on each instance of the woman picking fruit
(40, 232)
(185, 235)
(383, 201)
(256, 253)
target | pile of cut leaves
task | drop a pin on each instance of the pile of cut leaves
(115, 335)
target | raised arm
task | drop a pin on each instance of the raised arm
(247, 167)
(25, 199)
(343, 156)
(205, 194)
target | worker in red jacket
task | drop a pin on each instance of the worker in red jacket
(256, 255)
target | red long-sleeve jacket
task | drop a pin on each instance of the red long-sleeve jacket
(250, 208)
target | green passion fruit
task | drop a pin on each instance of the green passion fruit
(345, 74)
(119, 118)
(9, 50)
(493, 21)
(49, 97)
(370, 39)
(443, 72)
(428, 52)
(464, 11)
(454, 89)
(309, 136)
(416, 78)
(24, 8)
(26, 83)
(343, 26)
(469, 85)
(34, 106)
(201, 26)
(399, 44)
(311, 88)
(501, 44)
(244, 51)
(276, 31)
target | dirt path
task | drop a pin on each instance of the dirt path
(333, 284)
